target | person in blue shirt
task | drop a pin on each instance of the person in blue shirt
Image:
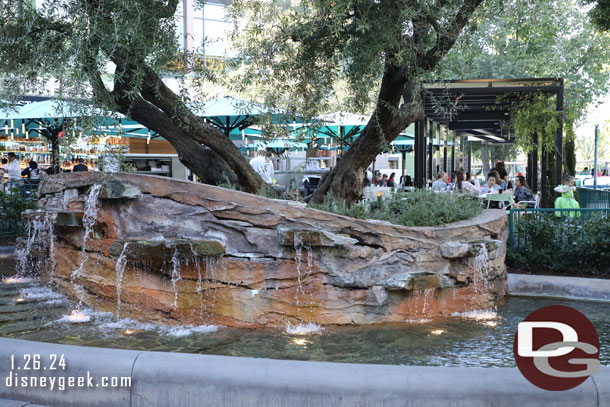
(493, 183)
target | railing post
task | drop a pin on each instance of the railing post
(511, 228)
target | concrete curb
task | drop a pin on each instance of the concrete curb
(576, 288)
(175, 379)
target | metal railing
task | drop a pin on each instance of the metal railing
(525, 225)
(594, 198)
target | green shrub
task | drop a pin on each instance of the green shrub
(426, 208)
(11, 207)
(562, 245)
(267, 191)
(415, 208)
(336, 205)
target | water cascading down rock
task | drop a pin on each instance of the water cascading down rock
(169, 251)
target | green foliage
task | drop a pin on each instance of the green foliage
(415, 208)
(426, 208)
(267, 191)
(316, 56)
(563, 245)
(600, 14)
(337, 205)
(535, 114)
(228, 185)
(12, 205)
(70, 39)
(536, 39)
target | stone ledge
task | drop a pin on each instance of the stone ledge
(576, 288)
(177, 379)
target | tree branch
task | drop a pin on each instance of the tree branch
(448, 35)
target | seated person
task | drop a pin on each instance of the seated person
(461, 185)
(493, 184)
(80, 167)
(32, 171)
(493, 187)
(523, 192)
(441, 182)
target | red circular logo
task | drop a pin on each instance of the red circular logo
(556, 348)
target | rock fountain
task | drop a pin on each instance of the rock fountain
(168, 251)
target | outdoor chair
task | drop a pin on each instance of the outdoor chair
(536, 202)
(505, 197)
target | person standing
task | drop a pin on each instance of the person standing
(390, 181)
(262, 165)
(80, 167)
(366, 181)
(566, 200)
(14, 170)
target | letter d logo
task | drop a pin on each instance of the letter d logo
(525, 337)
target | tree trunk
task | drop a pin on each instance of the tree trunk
(163, 98)
(203, 162)
(345, 180)
(485, 159)
(570, 149)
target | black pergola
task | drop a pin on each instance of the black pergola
(463, 111)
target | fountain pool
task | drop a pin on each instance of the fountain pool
(33, 311)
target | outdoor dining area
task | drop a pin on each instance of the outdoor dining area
(53, 133)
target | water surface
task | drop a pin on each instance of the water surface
(29, 310)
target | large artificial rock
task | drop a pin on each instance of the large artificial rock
(455, 250)
(194, 253)
(164, 250)
(418, 281)
(119, 190)
(313, 238)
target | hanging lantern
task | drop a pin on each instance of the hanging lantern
(148, 138)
